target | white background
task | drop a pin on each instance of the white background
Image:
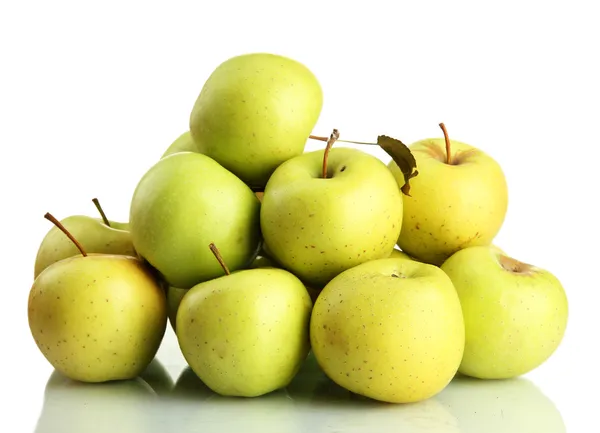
(91, 94)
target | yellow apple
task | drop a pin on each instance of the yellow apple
(515, 313)
(389, 329)
(452, 204)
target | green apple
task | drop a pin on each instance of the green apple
(389, 329)
(96, 235)
(183, 143)
(254, 112)
(452, 204)
(515, 313)
(318, 227)
(245, 333)
(97, 317)
(502, 406)
(182, 204)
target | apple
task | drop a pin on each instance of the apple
(390, 329)
(318, 226)
(97, 317)
(459, 199)
(184, 202)
(515, 313)
(96, 235)
(254, 112)
(246, 333)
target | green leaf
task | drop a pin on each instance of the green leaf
(402, 156)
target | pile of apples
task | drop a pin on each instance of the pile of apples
(258, 252)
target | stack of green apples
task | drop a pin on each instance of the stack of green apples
(258, 252)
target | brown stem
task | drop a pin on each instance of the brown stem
(219, 257)
(319, 138)
(102, 214)
(332, 139)
(448, 153)
(62, 228)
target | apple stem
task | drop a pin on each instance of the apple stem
(102, 214)
(319, 138)
(447, 138)
(332, 139)
(62, 228)
(219, 257)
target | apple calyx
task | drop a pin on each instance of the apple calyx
(62, 228)
(515, 266)
(399, 152)
(448, 150)
(102, 214)
(219, 257)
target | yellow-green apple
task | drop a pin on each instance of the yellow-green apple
(97, 317)
(459, 199)
(515, 313)
(390, 329)
(246, 333)
(184, 202)
(96, 235)
(254, 112)
(318, 226)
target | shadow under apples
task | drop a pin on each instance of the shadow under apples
(115, 406)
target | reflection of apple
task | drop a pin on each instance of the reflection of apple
(500, 406)
(117, 406)
(195, 406)
(323, 404)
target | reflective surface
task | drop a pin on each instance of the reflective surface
(311, 403)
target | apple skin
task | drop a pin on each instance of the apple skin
(394, 339)
(514, 321)
(316, 227)
(451, 206)
(183, 203)
(245, 334)
(254, 112)
(97, 318)
(183, 143)
(91, 233)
